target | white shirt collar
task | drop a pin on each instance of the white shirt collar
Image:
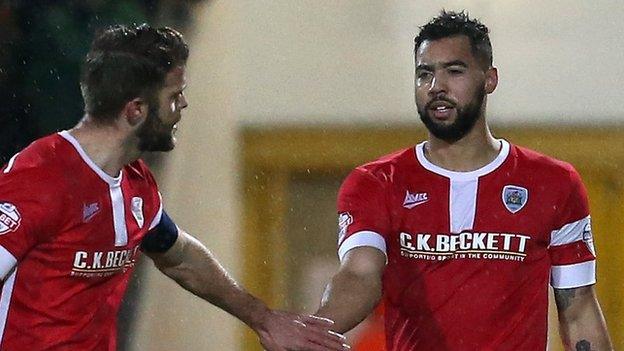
(112, 181)
(490, 167)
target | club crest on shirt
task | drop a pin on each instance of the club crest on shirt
(136, 208)
(514, 197)
(10, 218)
(344, 220)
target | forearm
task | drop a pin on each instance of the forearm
(585, 333)
(188, 262)
(355, 290)
(348, 299)
(581, 323)
(201, 274)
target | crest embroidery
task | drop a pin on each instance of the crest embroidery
(514, 197)
(137, 210)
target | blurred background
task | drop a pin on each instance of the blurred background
(285, 98)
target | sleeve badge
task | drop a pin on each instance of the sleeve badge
(10, 218)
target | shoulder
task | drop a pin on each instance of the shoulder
(139, 170)
(41, 161)
(543, 165)
(378, 175)
(144, 184)
(36, 179)
(385, 168)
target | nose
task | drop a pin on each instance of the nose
(438, 85)
(183, 103)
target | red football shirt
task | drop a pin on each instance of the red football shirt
(470, 254)
(69, 236)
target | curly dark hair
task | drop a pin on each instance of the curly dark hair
(126, 62)
(449, 24)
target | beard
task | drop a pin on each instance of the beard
(466, 119)
(154, 135)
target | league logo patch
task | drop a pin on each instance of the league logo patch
(588, 237)
(10, 218)
(344, 220)
(137, 210)
(515, 197)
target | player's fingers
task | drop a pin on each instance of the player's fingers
(300, 323)
(316, 320)
(326, 338)
(322, 326)
(338, 335)
(315, 331)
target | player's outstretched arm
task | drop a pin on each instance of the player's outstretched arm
(581, 323)
(193, 266)
(355, 290)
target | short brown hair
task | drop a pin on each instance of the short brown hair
(126, 62)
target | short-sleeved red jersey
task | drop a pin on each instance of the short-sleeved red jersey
(69, 236)
(470, 254)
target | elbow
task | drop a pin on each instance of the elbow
(176, 271)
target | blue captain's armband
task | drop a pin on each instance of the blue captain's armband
(162, 237)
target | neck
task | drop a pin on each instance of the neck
(475, 150)
(107, 145)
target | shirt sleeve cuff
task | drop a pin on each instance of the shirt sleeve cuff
(363, 238)
(573, 275)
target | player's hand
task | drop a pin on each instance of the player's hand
(284, 331)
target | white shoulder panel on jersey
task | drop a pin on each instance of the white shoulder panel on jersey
(571, 232)
(5, 300)
(363, 238)
(573, 275)
(7, 262)
(158, 216)
(10, 164)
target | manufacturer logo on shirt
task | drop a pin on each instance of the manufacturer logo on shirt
(413, 200)
(514, 197)
(137, 210)
(10, 218)
(89, 211)
(344, 220)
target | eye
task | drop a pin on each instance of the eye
(455, 71)
(177, 96)
(422, 75)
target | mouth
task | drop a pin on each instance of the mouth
(441, 110)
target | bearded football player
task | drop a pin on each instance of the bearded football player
(78, 208)
(462, 234)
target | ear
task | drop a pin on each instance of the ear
(491, 80)
(135, 111)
